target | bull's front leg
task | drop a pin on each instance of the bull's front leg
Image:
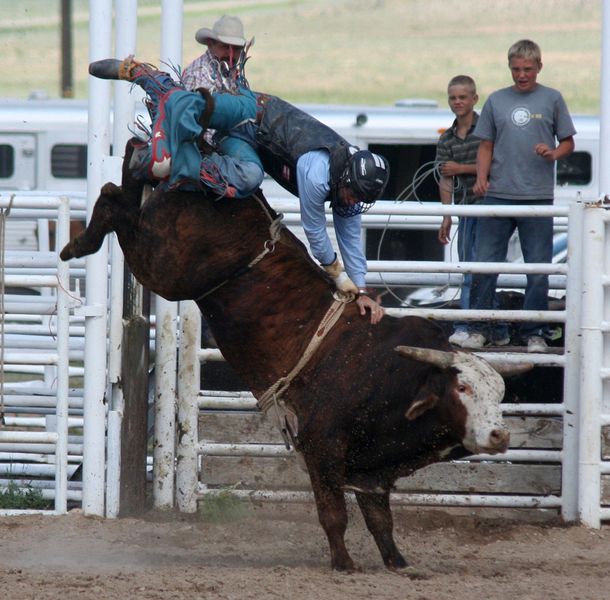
(332, 513)
(108, 205)
(378, 517)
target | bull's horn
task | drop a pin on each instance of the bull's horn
(440, 358)
(506, 368)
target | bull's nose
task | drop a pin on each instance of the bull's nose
(499, 439)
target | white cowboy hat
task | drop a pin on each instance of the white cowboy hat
(228, 30)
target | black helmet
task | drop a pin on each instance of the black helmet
(366, 175)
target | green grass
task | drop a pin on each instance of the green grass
(340, 51)
(224, 507)
(29, 499)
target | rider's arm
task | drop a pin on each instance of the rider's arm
(313, 183)
(348, 230)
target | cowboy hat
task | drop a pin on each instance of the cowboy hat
(228, 30)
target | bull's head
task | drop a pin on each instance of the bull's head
(479, 389)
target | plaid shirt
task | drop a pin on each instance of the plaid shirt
(464, 151)
(206, 72)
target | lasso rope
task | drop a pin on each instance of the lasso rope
(3, 214)
(431, 168)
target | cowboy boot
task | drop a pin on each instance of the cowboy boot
(108, 68)
(113, 68)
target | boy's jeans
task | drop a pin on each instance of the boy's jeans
(492, 237)
(465, 248)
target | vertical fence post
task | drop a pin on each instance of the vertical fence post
(164, 449)
(188, 408)
(63, 363)
(165, 403)
(123, 113)
(589, 487)
(571, 371)
(94, 465)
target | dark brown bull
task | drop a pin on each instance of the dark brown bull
(366, 414)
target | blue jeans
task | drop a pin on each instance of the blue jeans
(174, 114)
(465, 249)
(492, 237)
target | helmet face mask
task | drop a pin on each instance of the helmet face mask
(366, 175)
(346, 203)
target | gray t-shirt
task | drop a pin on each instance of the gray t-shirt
(515, 122)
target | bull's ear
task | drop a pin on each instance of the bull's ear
(421, 405)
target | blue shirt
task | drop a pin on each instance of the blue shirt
(313, 177)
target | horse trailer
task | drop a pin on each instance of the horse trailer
(43, 146)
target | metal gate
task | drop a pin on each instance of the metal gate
(578, 458)
(39, 338)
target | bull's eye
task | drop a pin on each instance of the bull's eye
(462, 388)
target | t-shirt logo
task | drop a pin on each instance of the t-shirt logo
(520, 116)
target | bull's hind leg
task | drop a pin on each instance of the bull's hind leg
(378, 518)
(332, 513)
(106, 209)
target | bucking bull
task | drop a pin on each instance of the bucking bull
(364, 404)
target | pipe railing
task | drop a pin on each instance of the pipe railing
(192, 399)
(36, 353)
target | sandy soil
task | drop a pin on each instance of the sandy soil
(282, 553)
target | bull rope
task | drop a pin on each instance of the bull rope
(272, 397)
(287, 420)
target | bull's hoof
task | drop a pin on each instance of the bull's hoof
(347, 568)
(396, 563)
(344, 564)
(111, 189)
(76, 248)
(67, 253)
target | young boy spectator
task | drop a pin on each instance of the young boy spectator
(518, 127)
(457, 152)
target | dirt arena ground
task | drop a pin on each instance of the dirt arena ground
(282, 553)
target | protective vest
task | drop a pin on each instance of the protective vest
(285, 133)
